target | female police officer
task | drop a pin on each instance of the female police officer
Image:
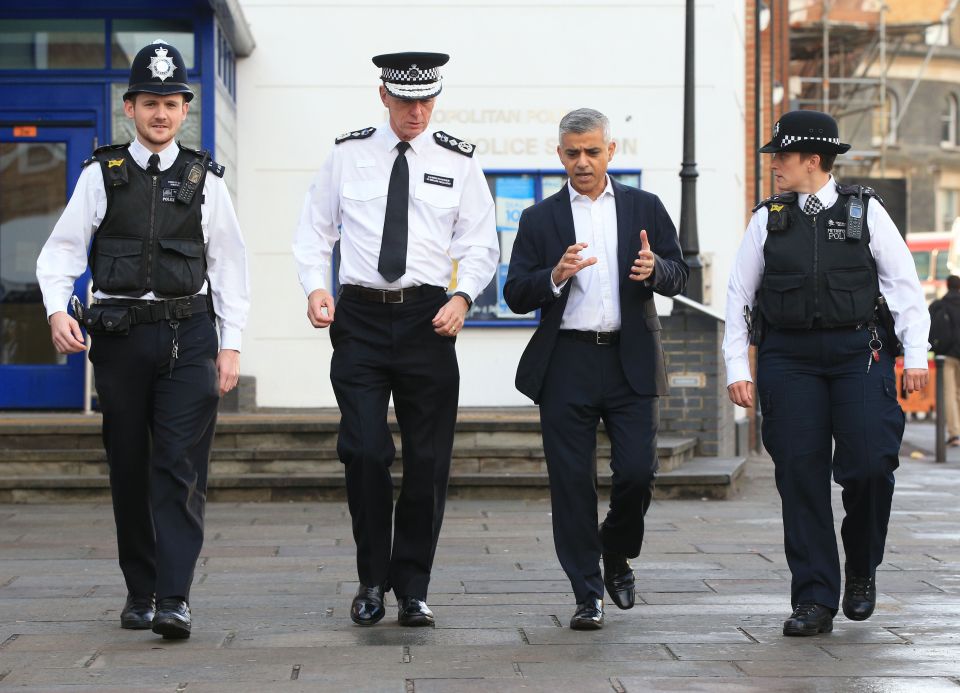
(815, 260)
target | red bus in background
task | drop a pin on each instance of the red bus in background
(932, 257)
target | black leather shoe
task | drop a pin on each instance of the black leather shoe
(137, 613)
(173, 618)
(619, 580)
(808, 619)
(859, 597)
(588, 616)
(414, 612)
(367, 607)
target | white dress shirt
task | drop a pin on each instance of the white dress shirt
(594, 301)
(895, 268)
(451, 216)
(64, 255)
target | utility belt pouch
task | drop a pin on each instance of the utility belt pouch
(99, 319)
(885, 320)
(756, 326)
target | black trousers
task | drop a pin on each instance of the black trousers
(585, 384)
(816, 393)
(157, 430)
(381, 349)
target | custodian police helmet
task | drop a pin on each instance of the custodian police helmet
(411, 76)
(159, 69)
(805, 131)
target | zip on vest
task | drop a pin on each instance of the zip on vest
(153, 231)
(816, 274)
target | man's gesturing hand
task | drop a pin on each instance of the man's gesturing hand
(571, 263)
(317, 301)
(643, 266)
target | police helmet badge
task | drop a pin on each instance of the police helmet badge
(161, 66)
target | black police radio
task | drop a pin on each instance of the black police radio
(855, 218)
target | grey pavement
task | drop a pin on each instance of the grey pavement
(272, 595)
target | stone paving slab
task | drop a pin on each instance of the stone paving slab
(272, 594)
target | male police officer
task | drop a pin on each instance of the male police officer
(403, 201)
(166, 242)
(819, 260)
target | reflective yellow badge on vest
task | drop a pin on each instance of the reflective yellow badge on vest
(776, 208)
(113, 163)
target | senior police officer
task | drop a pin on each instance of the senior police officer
(830, 276)
(166, 246)
(402, 200)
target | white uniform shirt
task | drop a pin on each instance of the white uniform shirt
(450, 213)
(594, 300)
(64, 255)
(895, 268)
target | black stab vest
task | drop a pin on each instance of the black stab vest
(813, 276)
(148, 240)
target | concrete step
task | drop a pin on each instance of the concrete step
(699, 478)
(466, 457)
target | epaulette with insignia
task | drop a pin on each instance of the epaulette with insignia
(457, 145)
(783, 198)
(101, 150)
(212, 166)
(856, 188)
(215, 168)
(354, 135)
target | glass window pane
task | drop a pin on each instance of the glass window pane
(921, 258)
(123, 129)
(942, 270)
(130, 35)
(52, 44)
(33, 193)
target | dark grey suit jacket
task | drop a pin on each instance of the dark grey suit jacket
(546, 231)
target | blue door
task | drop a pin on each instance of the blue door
(39, 167)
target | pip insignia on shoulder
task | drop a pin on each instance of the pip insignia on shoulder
(859, 190)
(781, 198)
(457, 145)
(355, 135)
(103, 149)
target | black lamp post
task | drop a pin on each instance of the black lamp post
(689, 239)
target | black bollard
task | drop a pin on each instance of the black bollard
(941, 420)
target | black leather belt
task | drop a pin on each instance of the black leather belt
(389, 295)
(601, 338)
(155, 311)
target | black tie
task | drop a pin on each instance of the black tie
(153, 165)
(393, 247)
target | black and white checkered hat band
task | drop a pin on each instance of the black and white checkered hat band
(413, 91)
(412, 74)
(790, 139)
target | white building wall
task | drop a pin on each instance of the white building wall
(515, 69)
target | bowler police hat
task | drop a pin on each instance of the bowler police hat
(159, 69)
(411, 76)
(805, 131)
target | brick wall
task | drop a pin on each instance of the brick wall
(691, 346)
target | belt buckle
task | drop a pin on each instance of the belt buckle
(604, 338)
(387, 293)
(181, 310)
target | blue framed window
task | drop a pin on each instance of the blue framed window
(513, 191)
(226, 64)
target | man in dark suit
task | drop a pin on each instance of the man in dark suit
(596, 354)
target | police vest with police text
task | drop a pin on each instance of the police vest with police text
(814, 276)
(151, 238)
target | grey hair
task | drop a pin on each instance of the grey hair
(585, 120)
